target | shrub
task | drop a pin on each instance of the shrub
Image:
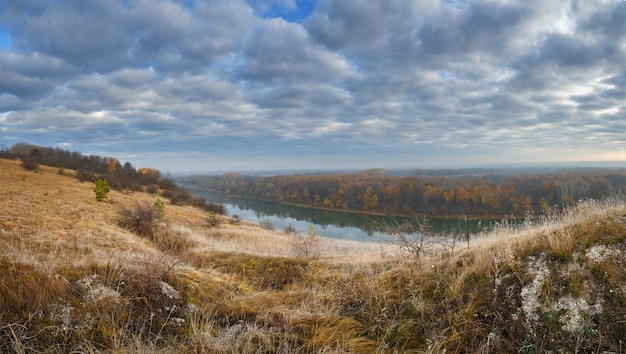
(235, 219)
(101, 189)
(141, 219)
(290, 229)
(152, 189)
(266, 224)
(159, 207)
(167, 183)
(305, 245)
(177, 197)
(216, 208)
(212, 220)
(413, 236)
(85, 176)
(29, 165)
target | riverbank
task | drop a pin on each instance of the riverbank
(470, 216)
(333, 223)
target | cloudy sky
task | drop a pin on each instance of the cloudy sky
(191, 85)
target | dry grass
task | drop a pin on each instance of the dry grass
(73, 280)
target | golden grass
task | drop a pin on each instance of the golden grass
(72, 280)
(55, 234)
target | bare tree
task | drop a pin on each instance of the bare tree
(305, 245)
(414, 236)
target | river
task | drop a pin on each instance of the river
(328, 223)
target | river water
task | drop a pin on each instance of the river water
(328, 223)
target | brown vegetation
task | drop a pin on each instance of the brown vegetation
(73, 280)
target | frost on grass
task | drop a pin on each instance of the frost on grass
(62, 313)
(531, 292)
(93, 290)
(169, 291)
(599, 253)
(576, 313)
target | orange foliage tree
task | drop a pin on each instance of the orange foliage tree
(112, 164)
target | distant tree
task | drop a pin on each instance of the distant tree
(370, 199)
(101, 189)
(112, 164)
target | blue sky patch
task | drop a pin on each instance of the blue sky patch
(5, 39)
(292, 11)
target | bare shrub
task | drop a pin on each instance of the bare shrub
(414, 237)
(290, 229)
(177, 196)
(141, 219)
(85, 176)
(29, 165)
(216, 208)
(305, 245)
(453, 239)
(152, 189)
(266, 224)
(235, 219)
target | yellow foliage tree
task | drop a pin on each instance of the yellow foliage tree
(370, 199)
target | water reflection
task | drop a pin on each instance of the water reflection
(340, 225)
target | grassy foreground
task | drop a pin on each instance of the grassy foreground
(72, 280)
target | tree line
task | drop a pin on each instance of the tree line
(90, 168)
(488, 195)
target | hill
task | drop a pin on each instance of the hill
(77, 276)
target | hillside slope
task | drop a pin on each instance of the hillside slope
(72, 279)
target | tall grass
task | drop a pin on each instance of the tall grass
(583, 213)
(72, 280)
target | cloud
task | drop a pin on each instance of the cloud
(358, 83)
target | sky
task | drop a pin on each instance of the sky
(228, 85)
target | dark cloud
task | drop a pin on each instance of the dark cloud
(483, 27)
(282, 51)
(327, 83)
(83, 33)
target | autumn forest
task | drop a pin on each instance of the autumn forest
(485, 195)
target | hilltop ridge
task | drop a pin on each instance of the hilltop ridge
(73, 279)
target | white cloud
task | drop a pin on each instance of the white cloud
(375, 83)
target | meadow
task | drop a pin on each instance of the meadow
(74, 277)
